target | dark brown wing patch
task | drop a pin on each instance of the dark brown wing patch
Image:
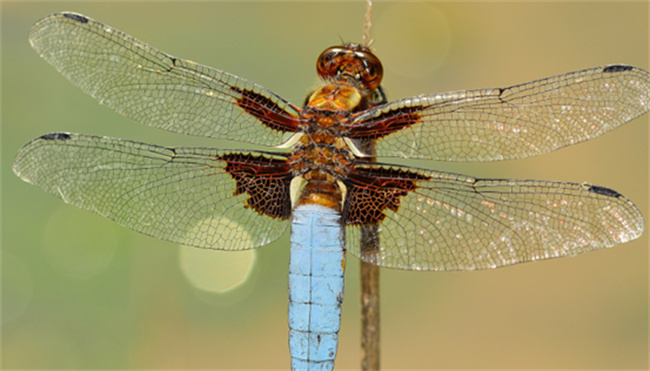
(372, 190)
(266, 181)
(386, 123)
(266, 110)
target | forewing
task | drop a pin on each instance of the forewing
(431, 220)
(157, 89)
(509, 123)
(192, 196)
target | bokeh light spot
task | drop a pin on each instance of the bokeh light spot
(215, 270)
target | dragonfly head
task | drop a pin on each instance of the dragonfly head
(351, 60)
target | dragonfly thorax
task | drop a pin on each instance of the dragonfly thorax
(321, 158)
(324, 123)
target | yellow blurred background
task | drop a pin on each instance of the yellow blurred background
(82, 292)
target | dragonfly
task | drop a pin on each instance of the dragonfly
(318, 171)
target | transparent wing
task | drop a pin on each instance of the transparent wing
(190, 196)
(510, 123)
(451, 222)
(157, 89)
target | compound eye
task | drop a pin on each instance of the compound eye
(373, 72)
(329, 61)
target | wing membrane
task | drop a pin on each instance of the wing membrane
(157, 89)
(183, 195)
(511, 123)
(454, 222)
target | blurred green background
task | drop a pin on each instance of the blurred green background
(82, 292)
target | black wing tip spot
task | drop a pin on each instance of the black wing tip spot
(76, 17)
(604, 191)
(617, 68)
(56, 136)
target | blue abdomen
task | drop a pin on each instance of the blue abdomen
(315, 286)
